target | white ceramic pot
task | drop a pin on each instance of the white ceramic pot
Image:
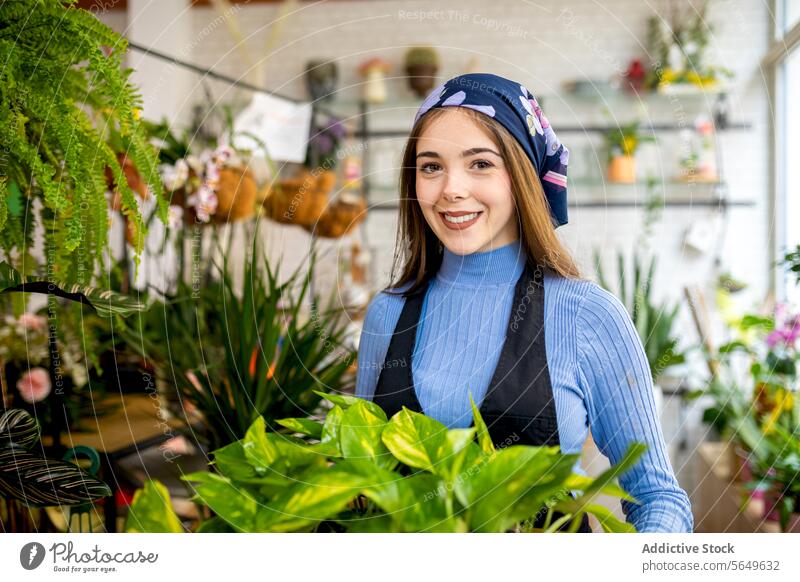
(375, 86)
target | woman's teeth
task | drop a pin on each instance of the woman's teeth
(460, 219)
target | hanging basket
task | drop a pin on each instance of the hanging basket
(300, 200)
(236, 195)
(341, 216)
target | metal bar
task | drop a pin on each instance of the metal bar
(218, 76)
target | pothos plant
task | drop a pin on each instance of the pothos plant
(359, 471)
(62, 87)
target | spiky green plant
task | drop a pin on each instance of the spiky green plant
(235, 356)
(62, 90)
(654, 322)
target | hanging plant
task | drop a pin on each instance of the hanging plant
(62, 92)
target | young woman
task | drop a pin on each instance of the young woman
(490, 304)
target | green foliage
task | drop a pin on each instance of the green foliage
(791, 261)
(625, 139)
(654, 323)
(35, 480)
(404, 474)
(777, 467)
(421, 55)
(104, 303)
(239, 356)
(59, 93)
(151, 511)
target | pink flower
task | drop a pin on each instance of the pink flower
(34, 386)
(774, 338)
(32, 322)
(205, 203)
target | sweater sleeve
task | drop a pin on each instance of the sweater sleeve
(372, 347)
(615, 378)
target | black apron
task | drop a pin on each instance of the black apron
(518, 407)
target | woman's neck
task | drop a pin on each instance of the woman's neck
(501, 266)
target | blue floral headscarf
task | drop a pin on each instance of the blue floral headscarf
(516, 109)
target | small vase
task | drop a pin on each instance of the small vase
(375, 87)
(622, 170)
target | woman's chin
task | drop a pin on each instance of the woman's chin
(464, 245)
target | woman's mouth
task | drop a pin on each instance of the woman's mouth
(459, 222)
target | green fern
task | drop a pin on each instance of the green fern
(60, 93)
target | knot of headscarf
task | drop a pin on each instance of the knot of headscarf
(516, 109)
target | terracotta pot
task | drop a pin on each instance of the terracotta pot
(622, 170)
(421, 78)
(236, 195)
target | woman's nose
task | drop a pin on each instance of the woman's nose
(454, 186)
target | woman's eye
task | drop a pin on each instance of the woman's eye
(429, 168)
(482, 164)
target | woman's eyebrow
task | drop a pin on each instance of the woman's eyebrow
(464, 154)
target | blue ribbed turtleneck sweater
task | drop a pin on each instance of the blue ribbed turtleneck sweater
(598, 369)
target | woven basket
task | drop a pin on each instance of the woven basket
(299, 200)
(341, 216)
(236, 195)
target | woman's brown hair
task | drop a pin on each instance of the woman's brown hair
(417, 246)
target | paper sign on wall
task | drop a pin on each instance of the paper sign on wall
(282, 125)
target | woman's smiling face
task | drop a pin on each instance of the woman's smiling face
(459, 171)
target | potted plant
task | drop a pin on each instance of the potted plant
(321, 78)
(260, 354)
(50, 126)
(359, 471)
(421, 64)
(622, 143)
(234, 184)
(679, 44)
(346, 211)
(303, 199)
(654, 322)
(374, 73)
(299, 200)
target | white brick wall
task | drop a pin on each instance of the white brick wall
(541, 45)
